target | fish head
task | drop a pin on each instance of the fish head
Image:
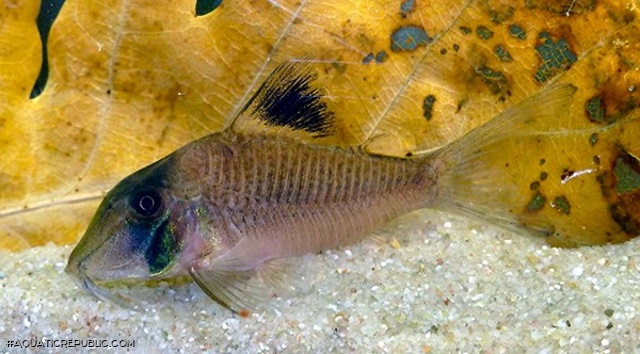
(138, 232)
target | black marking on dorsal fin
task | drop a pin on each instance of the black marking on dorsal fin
(288, 98)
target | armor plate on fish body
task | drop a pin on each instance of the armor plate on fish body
(295, 198)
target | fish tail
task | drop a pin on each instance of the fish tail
(479, 174)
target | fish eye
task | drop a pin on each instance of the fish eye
(146, 203)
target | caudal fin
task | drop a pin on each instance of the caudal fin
(482, 173)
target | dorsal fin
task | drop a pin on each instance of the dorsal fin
(289, 99)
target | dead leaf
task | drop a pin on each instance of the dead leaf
(130, 81)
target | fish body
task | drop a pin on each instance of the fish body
(228, 203)
(223, 208)
(292, 199)
(255, 193)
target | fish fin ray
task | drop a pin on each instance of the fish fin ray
(231, 289)
(288, 102)
(238, 279)
(469, 183)
(525, 118)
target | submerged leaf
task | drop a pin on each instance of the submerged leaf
(130, 81)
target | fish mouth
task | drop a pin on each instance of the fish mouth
(84, 282)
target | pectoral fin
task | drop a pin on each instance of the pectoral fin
(229, 288)
(239, 279)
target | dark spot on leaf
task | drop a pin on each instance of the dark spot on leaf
(409, 38)
(484, 33)
(443, 51)
(618, 98)
(517, 32)
(562, 204)
(593, 139)
(536, 203)
(627, 216)
(465, 30)
(204, 7)
(340, 67)
(566, 174)
(382, 56)
(627, 173)
(542, 162)
(427, 106)
(502, 53)
(456, 47)
(596, 109)
(603, 181)
(369, 58)
(621, 188)
(495, 80)
(534, 186)
(49, 10)
(564, 8)
(556, 56)
(543, 176)
(501, 13)
(407, 6)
